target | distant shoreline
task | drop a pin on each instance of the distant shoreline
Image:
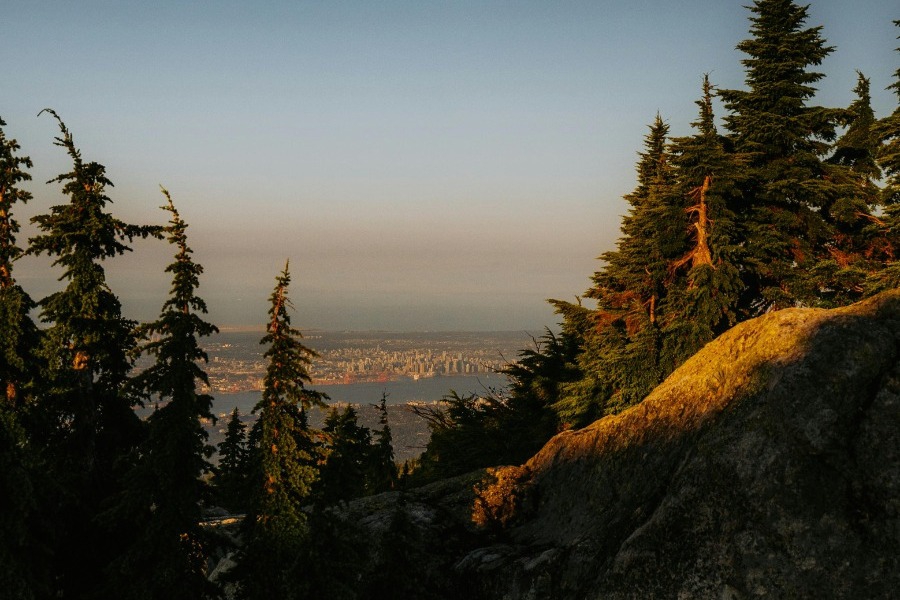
(308, 332)
(368, 380)
(431, 389)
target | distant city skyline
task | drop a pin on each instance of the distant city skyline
(424, 165)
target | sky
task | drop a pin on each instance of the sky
(424, 165)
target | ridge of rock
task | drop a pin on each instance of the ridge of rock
(767, 465)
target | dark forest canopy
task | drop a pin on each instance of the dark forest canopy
(785, 204)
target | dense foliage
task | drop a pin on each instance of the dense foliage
(231, 474)
(791, 204)
(284, 455)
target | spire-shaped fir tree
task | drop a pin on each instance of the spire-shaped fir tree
(18, 333)
(888, 130)
(88, 421)
(622, 337)
(888, 156)
(633, 280)
(343, 475)
(382, 471)
(704, 284)
(283, 458)
(231, 474)
(786, 191)
(164, 488)
(858, 246)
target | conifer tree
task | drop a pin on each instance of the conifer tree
(284, 462)
(786, 191)
(621, 339)
(633, 282)
(344, 473)
(382, 474)
(536, 380)
(22, 562)
(888, 155)
(18, 333)
(88, 421)
(231, 474)
(888, 130)
(580, 396)
(857, 147)
(704, 284)
(497, 427)
(167, 557)
(858, 247)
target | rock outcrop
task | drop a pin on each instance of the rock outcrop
(768, 465)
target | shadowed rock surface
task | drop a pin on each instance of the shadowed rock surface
(768, 465)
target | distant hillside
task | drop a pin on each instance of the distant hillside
(768, 465)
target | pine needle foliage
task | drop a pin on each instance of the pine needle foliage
(18, 333)
(705, 283)
(285, 457)
(89, 344)
(382, 471)
(858, 246)
(785, 139)
(887, 131)
(622, 338)
(164, 489)
(231, 474)
(12, 175)
(344, 473)
(86, 418)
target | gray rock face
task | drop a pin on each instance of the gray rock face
(768, 465)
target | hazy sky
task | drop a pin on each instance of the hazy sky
(424, 165)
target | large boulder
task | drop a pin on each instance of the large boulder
(768, 465)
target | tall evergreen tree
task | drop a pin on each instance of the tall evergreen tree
(231, 474)
(786, 192)
(888, 156)
(537, 378)
(704, 284)
(859, 246)
(632, 283)
(343, 475)
(382, 470)
(21, 573)
(164, 489)
(889, 153)
(622, 343)
(89, 424)
(284, 465)
(18, 333)
(673, 281)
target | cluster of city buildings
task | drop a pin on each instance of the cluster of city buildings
(237, 367)
(350, 365)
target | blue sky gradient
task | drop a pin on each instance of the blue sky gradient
(424, 165)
